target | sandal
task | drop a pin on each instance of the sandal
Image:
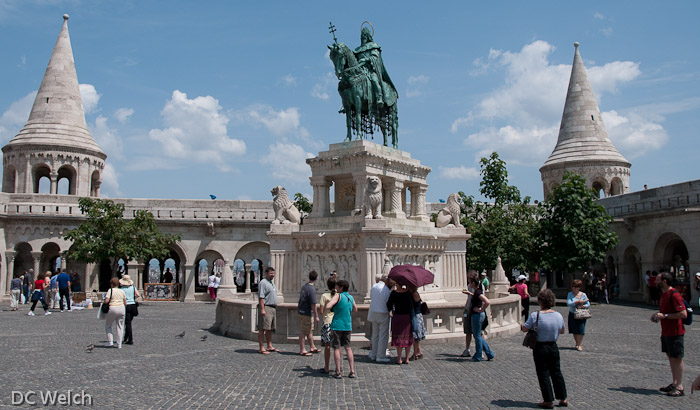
(547, 405)
(338, 375)
(272, 349)
(263, 352)
(315, 351)
(676, 393)
(307, 354)
(351, 375)
(563, 403)
(668, 388)
(324, 371)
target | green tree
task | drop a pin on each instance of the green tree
(503, 227)
(303, 205)
(573, 228)
(106, 234)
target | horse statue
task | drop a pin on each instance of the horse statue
(363, 112)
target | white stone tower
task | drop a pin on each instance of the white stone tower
(55, 143)
(583, 145)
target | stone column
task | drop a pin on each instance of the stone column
(227, 288)
(418, 211)
(28, 183)
(321, 204)
(10, 267)
(188, 283)
(360, 188)
(132, 269)
(36, 255)
(396, 204)
(247, 277)
(54, 182)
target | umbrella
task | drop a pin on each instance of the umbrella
(411, 275)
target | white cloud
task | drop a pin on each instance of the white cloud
(320, 89)
(282, 123)
(289, 80)
(524, 113)
(288, 162)
(607, 31)
(110, 183)
(90, 97)
(16, 116)
(196, 129)
(415, 85)
(599, 16)
(460, 172)
(633, 134)
(106, 137)
(123, 114)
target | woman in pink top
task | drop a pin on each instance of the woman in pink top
(521, 288)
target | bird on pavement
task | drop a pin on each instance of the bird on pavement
(89, 348)
(204, 338)
(181, 335)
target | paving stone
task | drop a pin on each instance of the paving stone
(621, 367)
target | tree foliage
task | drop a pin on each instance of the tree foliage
(503, 227)
(106, 234)
(303, 204)
(574, 228)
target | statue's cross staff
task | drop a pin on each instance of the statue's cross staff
(331, 29)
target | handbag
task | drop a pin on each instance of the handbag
(104, 307)
(582, 313)
(485, 323)
(530, 339)
(424, 309)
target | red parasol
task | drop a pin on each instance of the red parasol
(411, 275)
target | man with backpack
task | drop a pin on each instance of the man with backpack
(671, 315)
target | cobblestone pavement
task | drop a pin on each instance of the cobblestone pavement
(621, 367)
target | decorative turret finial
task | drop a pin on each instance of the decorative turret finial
(576, 44)
(66, 17)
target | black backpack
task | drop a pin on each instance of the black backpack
(689, 310)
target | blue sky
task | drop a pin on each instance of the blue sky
(228, 98)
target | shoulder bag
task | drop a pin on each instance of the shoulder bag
(582, 313)
(104, 307)
(530, 339)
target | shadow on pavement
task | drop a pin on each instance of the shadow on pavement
(309, 371)
(635, 390)
(513, 404)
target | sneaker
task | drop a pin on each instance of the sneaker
(388, 353)
(31, 313)
(47, 313)
(62, 310)
(109, 344)
(466, 353)
(383, 360)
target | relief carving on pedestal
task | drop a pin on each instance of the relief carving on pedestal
(346, 267)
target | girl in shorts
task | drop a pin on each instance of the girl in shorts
(327, 315)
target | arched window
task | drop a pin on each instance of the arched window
(42, 182)
(66, 180)
(239, 274)
(202, 275)
(154, 272)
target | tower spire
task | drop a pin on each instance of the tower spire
(57, 117)
(583, 142)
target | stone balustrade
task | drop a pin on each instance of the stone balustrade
(238, 318)
(666, 198)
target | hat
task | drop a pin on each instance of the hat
(521, 277)
(126, 281)
(483, 273)
(697, 274)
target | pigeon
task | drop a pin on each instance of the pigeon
(89, 348)
(181, 335)
(204, 338)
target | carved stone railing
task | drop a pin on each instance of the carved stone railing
(667, 198)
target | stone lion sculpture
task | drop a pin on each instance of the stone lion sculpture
(285, 211)
(449, 215)
(373, 198)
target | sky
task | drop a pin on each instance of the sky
(190, 99)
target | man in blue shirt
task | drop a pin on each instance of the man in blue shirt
(53, 291)
(63, 281)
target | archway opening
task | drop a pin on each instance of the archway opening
(202, 267)
(66, 180)
(239, 274)
(105, 275)
(95, 182)
(42, 181)
(599, 189)
(616, 186)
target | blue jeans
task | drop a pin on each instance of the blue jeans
(481, 345)
(26, 293)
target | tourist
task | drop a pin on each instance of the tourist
(63, 284)
(484, 284)
(326, 327)
(27, 282)
(217, 283)
(131, 310)
(479, 304)
(308, 313)
(40, 287)
(114, 318)
(168, 277)
(549, 324)
(267, 300)
(417, 324)
(16, 292)
(53, 290)
(378, 316)
(671, 314)
(577, 299)
(210, 286)
(521, 289)
(653, 290)
(697, 284)
(467, 314)
(400, 306)
(343, 306)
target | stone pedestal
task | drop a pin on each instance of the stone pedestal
(499, 282)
